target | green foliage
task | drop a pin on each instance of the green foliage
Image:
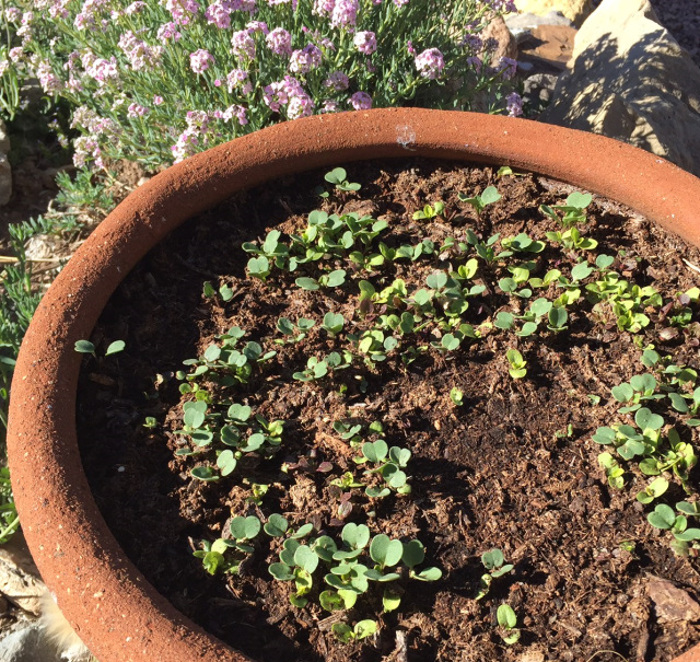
(494, 562)
(507, 620)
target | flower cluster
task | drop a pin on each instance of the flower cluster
(179, 76)
(430, 63)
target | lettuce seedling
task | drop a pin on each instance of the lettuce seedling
(507, 620)
(479, 202)
(494, 562)
(517, 364)
(429, 211)
(361, 630)
(338, 177)
(613, 471)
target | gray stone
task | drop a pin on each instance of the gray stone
(629, 79)
(27, 644)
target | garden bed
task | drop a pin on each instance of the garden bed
(498, 459)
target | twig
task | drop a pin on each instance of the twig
(691, 266)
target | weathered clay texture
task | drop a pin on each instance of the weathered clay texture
(113, 609)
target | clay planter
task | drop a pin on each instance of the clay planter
(115, 611)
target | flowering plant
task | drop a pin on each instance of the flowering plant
(159, 81)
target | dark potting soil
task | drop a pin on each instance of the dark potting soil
(513, 467)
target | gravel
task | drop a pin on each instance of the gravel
(682, 19)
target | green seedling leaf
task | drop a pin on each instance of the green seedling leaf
(333, 323)
(281, 571)
(324, 547)
(365, 628)
(276, 525)
(238, 412)
(343, 632)
(647, 420)
(399, 456)
(428, 575)
(688, 535)
(355, 535)
(204, 473)
(84, 347)
(687, 508)
(245, 528)
(115, 347)
(579, 200)
(492, 559)
(605, 436)
(653, 490)
(581, 271)
(303, 531)
(506, 617)
(310, 284)
(306, 558)
(413, 553)
(375, 452)
(226, 462)
(195, 413)
(663, 517)
(390, 601)
(623, 392)
(385, 551)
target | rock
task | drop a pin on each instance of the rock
(520, 24)
(19, 578)
(672, 603)
(575, 10)
(629, 79)
(501, 41)
(537, 90)
(549, 45)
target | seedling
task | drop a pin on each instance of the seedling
(457, 396)
(517, 364)
(487, 197)
(86, 347)
(338, 177)
(429, 211)
(494, 562)
(361, 630)
(508, 621)
(293, 332)
(572, 211)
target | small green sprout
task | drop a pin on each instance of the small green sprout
(429, 211)
(613, 471)
(653, 490)
(293, 332)
(338, 177)
(361, 630)
(457, 396)
(86, 347)
(508, 621)
(518, 365)
(333, 323)
(572, 210)
(315, 369)
(494, 562)
(487, 197)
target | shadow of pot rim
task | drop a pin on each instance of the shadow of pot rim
(112, 607)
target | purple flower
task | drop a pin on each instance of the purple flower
(257, 26)
(361, 101)
(305, 60)
(238, 78)
(201, 60)
(243, 45)
(169, 31)
(13, 14)
(507, 67)
(475, 62)
(50, 83)
(300, 105)
(279, 41)
(58, 9)
(136, 110)
(337, 81)
(330, 106)
(16, 54)
(100, 69)
(219, 14)
(514, 104)
(323, 7)
(365, 42)
(400, 3)
(430, 63)
(505, 6)
(135, 8)
(182, 10)
(138, 52)
(158, 100)
(239, 112)
(344, 14)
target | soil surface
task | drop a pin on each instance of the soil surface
(512, 467)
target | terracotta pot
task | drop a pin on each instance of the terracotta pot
(107, 600)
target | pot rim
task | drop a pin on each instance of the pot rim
(110, 604)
